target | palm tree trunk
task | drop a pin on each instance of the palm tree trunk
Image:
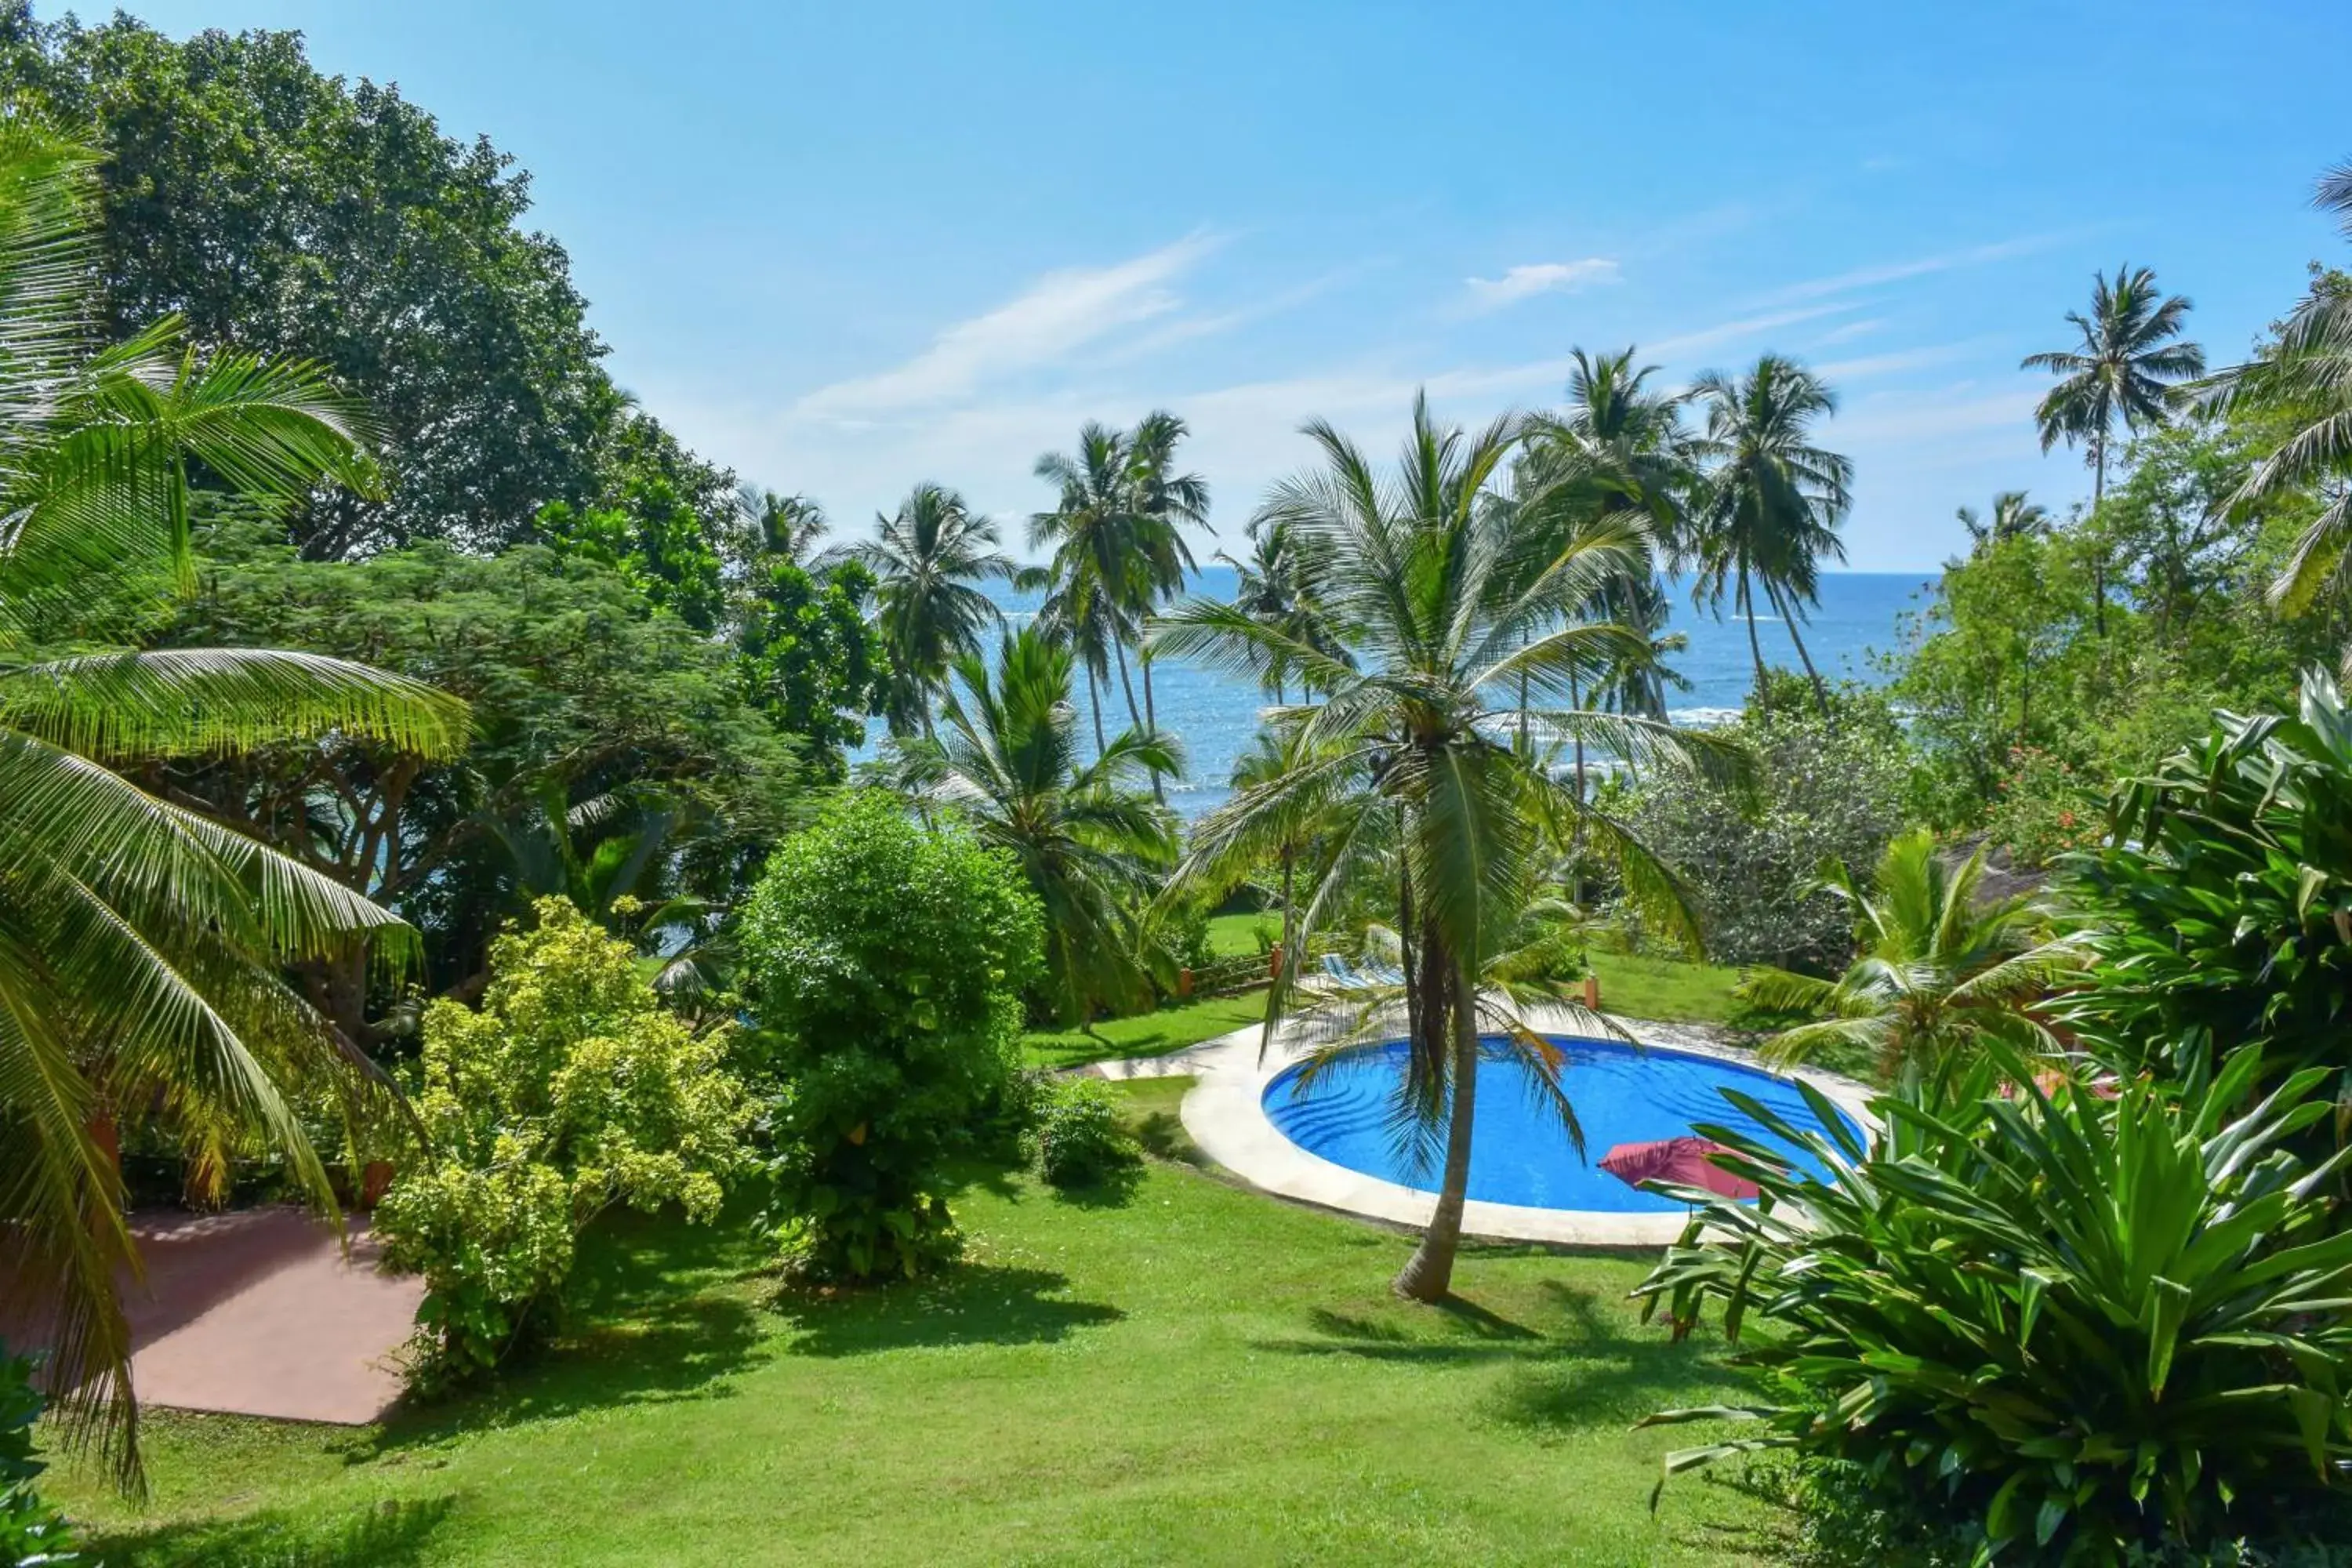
(1788, 620)
(1428, 1274)
(1150, 722)
(1094, 706)
(1755, 648)
(2098, 533)
(1134, 719)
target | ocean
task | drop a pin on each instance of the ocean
(1214, 716)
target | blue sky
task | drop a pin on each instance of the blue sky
(845, 247)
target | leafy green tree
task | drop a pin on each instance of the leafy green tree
(1087, 842)
(283, 213)
(930, 560)
(654, 541)
(2120, 370)
(1439, 591)
(2304, 381)
(141, 943)
(1768, 511)
(1939, 968)
(884, 962)
(812, 662)
(1751, 852)
(572, 1090)
(578, 687)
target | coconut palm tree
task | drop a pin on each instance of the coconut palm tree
(1769, 512)
(1091, 844)
(781, 526)
(142, 946)
(930, 560)
(1938, 970)
(1165, 503)
(1093, 531)
(2306, 381)
(2121, 369)
(1440, 594)
(1276, 583)
(2014, 517)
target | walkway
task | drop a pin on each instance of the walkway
(1225, 1114)
(259, 1312)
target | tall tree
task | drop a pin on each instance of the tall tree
(142, 944)
(1437, 590)
(1769, 512)
(1096, 568)
(2126, 361)
(282, 212)
(1089, 843)
(2306, 382)
(1165, 504)
(931, 558)
(1276, 583)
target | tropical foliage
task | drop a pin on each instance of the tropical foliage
(2220, 907)
(1942, 972)
(930, 560)
(572, 1090)
(1080, 1139)
(885, 961)
(31, 1532)
(2078, 1326)
(141, 943)
(1086, 837)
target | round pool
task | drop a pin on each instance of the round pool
(1519, 1152)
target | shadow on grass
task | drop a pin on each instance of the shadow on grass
(1114, 1189)
(388, 1534)
(971, 1304)
(1575, 1363)
(658, 1310)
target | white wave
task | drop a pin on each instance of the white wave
(1704, 718)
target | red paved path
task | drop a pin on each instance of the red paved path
(258, 1312)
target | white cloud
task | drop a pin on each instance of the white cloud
(1919, 267)
(1061, 311)
(1864, 366)
(1851, 329)
(1526, 281)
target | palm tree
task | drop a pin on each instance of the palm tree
(1276, 583)
(2014, 517)
(142, 946)
(1093, 532)
(1938, 971)
(1164, 504)
(1006, 757)
(2125, 362)
(1437, 591)
(781, 526)
(1769, 512)
(2307, 383)
(930, 560)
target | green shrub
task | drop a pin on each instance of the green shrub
(2045, 807)
(2095, 1326)
(30, 1530)
(1080, 1139)
(887, 962)
(571, 1091)
(2223, 907)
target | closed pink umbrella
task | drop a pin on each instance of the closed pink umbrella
(1682, 1160)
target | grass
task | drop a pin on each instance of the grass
(1671, 991)
(1235, 936)
(1191, 1372)
(1146, 1034)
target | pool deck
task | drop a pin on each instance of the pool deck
(1225, 1115)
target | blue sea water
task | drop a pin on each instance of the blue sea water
(1519, 1152)
(1213, 715)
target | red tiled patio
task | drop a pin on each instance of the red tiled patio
(260, 1312)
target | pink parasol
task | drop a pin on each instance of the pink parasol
(1682, 1160)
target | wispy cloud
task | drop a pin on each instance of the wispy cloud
(1918, 266)
(1061, 311)
(1531, 278)
(1864, 366)
(1744, 327)
(1851, 329)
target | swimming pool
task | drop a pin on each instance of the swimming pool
(1519, 1153)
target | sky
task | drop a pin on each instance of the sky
(846, 248)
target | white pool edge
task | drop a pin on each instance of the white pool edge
(1224, 1113)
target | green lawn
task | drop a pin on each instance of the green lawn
(1146, 1034)
(1183, 1372)
(1668, 990)
(1235, 936)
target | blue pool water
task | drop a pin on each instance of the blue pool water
(1519, 1153)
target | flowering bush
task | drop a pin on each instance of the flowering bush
(2044, 808)
(571, 1091)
